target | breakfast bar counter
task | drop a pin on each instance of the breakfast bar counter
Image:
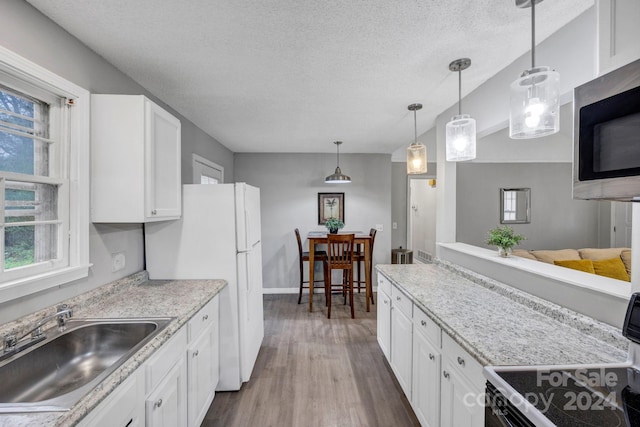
(500, 325)
(132, 296)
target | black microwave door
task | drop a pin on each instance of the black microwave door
(609, 136)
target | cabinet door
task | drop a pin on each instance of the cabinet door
(200, 368)
(122, 408)
(461, 403)
(384, 323)
(425, 395)
(401, 344)
(166, 406)
(162, 164)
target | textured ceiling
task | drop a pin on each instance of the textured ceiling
(295, 75)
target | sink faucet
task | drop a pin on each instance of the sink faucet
(63, 312)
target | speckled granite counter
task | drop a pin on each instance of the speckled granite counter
(500, 325)
(133, 296)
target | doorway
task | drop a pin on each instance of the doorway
(421, 218)
(621, 224)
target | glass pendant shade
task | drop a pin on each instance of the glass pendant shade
(461, 138)
(416, 158)
(416, 152)
(461, 129)
(535, 104)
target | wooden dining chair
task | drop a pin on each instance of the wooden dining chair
(359, 258)
(340, 257)
(303, 256)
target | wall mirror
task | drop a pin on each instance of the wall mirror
(515, 205)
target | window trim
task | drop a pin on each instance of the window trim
(20, 68)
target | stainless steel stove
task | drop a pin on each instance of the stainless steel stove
(605, 395)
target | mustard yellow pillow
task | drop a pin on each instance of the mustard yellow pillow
(613, 268)
(585, 265)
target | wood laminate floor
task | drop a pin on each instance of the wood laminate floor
(314, 371)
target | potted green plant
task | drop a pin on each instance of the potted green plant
(504, 238)
(333, 224)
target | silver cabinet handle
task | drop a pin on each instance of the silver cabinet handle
(195, 353)
(423, 323)
(158, 403)
(385, 301)
(431, 356)
(398, 298)
(205, 317)
(153, 212)
(460, 361)
(445, 374)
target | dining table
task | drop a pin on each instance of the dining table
(360, 238)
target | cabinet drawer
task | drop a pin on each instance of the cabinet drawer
(384, 285)
(463, 361)
(162, 361)
(401, 301)
(427, 326)
(201, 320)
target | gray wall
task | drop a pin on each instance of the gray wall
(28, 33)
(557, 221)
(289, 186)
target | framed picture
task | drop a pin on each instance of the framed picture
(330, 205)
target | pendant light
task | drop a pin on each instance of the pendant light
(535, 101)
(461, 130)
(416, 152)
(337, 177)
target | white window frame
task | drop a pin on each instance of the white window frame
(199, 159)
(77, 170)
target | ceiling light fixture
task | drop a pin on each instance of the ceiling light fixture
(534, 107)
(338, 177)
(461, 130)
(416, 152)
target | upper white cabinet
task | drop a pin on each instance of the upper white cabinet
(618, 33)
(135, 160)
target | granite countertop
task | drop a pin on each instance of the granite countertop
(133, 296)
(501, 325)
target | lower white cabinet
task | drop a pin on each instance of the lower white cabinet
(462, 387)
(175, 386)
(203, 361)
(166, 406)
(426, 380)
(384, 320)
(401, 347)
(442, 381)
(122, 408)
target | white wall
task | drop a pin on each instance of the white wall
(289, 186)
(30, 34)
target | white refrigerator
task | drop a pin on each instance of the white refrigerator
(218, 237)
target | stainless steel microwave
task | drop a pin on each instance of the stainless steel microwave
(606, 133)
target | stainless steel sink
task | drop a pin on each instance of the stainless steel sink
(55, 373)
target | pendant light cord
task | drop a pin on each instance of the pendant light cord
(459, 92)
(415, 128)
(533, 33)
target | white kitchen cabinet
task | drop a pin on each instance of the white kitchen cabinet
(401, 339)
(203, 361)
(618, 33)
(425, 395)
(166, 406)
(462, 389)
(135, 160)
(384, 316)
(122, 408)
(166, 384)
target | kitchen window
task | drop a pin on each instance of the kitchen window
(44, 158)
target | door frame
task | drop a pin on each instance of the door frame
(199, 159)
